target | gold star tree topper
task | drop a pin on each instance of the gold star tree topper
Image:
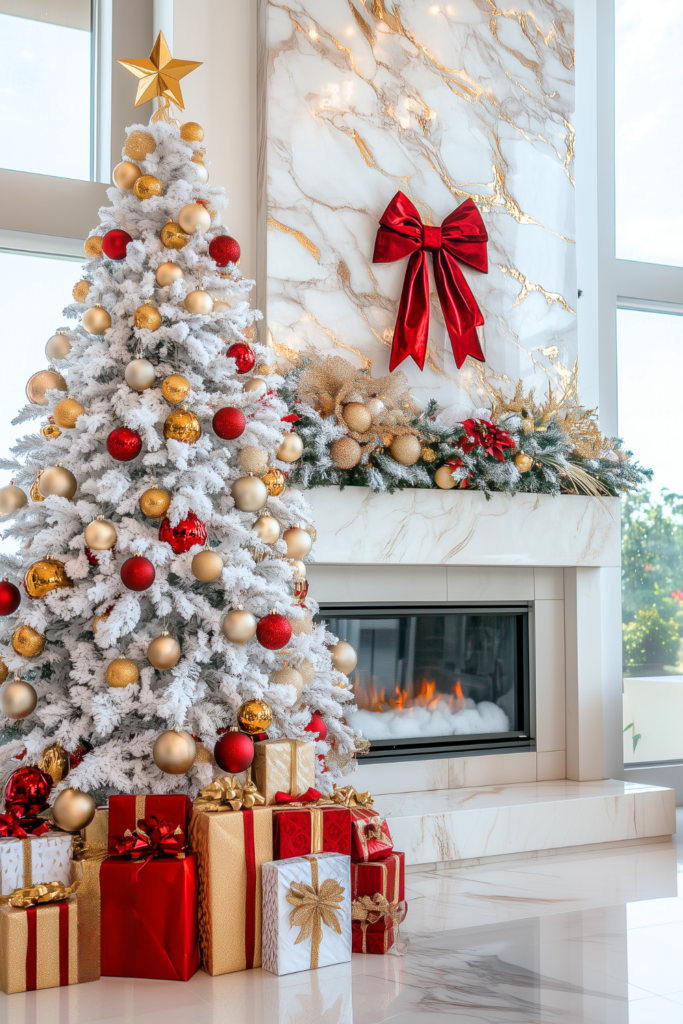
(159, 75)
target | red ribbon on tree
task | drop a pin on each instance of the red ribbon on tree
(12, 826)
(462, 236)
(492, 439)
(153, 837)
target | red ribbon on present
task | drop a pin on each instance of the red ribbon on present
(462, 236)
(153, 837)
(32, 946)
(492, 439)
(11, 825)
(309, 797)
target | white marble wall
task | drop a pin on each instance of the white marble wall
(445, 102)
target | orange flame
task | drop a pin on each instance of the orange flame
(370, 698)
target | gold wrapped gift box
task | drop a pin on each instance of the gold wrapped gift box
(283, 766)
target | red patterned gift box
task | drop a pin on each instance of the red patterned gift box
(386, 876)
(126, 811)
(300, 831)
(372, 938)
(371, 837)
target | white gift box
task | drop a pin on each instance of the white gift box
(306, 921)
(34, 860)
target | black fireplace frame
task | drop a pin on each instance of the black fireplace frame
(387, 751)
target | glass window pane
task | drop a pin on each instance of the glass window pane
(45, 87)
(650, 354)
(649, 143)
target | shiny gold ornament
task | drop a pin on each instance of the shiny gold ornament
(175, 388)
(275, 481)
(406, 449)
(307, 671)
(4, 671)
(100, 535)
(288, 676)
(80, 291)
(172, 236)
(125, 175)
(147, 317)
(58, 346)
(12, 498)
(34, 493)
(39, 383)
(57, 480)
(155, 502)
(27, 642)
(167, 273)
(345, 453)
(139, 145)
(344, 657)
(253, 459)
(207, 566)
(159, 75)
(93, 245)
(96, 320)
(174, 752)
(443, 478)
(139, 374)
(199, 302)
(523, 462)
(121, 671)
(194, 217)
(18, 699)
(73, 810)
(239, 626)
(298, 542)
(147, 186)
(202, 176)
(255, 384)
(427, 454)
(67, 412)
(291, 449)
(267, 528)
(55, 762)
(249, 493)
(192, 132)
(182, 425)
(357, 417)
(51, 431)
(46, 575)
(164, 651)
(254, 717)
(302, 626)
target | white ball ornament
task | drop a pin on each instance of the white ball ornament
(140, 374)
(58, 346)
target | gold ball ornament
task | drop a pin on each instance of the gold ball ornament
(182, 425)
(73, 810)
(125, 175)
(4, 671)
(164, 651)
(255, 384)
(307, 671)
(58, 346)
(28, 642)
(288, 676)
(51, 431)
(275, 481)
(443, 478)
(175, 388)
(344, 657)
(167, 273)
(96, 320)
(375, 406)
(207, 566)
(34, 493)
(191, 132)
(253, 459)
(406, 449)
(39, 383)
(46, 575)
(57, 480)
(267, 529)
(194, 217)
(291, 449)
(301, 626)
(357, 417)
(80, 291)
(147, 317)
(147, 186)
(299, 568)
(55, 762)
(523, 462)
(139, 145)
(202, 172)
(67, 412)
(18, 699)
(155, 502)
(254, 717)
(140, 374)
(172, 236)
(174, 752)
(199, 302)
(239, 626)
(93, 245)
(100, 535)
(121, 671)
(345, 453)
(298, 542)
(12, 498)
(249, 493)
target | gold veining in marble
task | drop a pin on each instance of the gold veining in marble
(299, 235)
(528, 287)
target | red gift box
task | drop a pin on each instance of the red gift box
(149, 916)
(386, 876)
(371, 837)
(126, 811)
(372, 938)
(299, 831)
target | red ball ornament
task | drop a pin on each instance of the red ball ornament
(316, 724)
(274, 631)
(124, 444)
(243, 356)
(27, 792)
(223, 250)
(185, 535)
(234, 751)
(228, 423)
(114, 244)
(10, 597)
(137, 573)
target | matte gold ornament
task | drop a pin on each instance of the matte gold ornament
(147, 186)
(207, 566)
(288, 676)
(57, 480)
(194, 217)
(182, 425)
(96, 320)
(175, 388)
(73, 810)
(100, 535)
(199, 302)
(159, 75)
(299, 568)
(80, 291)
(275, 481)
(139, 145)
(375, 406)
(267, 528)
(344, 657)
(174, 752)
(18, 699)
(125, 175)
(147, 317)
(192, 132)
(250, 494)
(121, 671)
(255, 384)
(39, 383)
(46, 575)
(302, 626)
(51, 431)
(55, 762)
(93, 245)
(254, 717)
(253, 459)
(167, 273)
(239, 626)
(357, 417)
(406, 449)
(443, 478)
(298, 542)
(164, 651)
(4, 671)
(58, 346)
(12, 498)
(172, 236)
(307, 671)
(291, 449)
(155, 502)
(523, 462)
(34, 493)
(345, 452)
(202, 174)
(67, 412)
(28, 642)
(140, 374)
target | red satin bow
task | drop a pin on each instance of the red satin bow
(11, 825)
(153, 837)
(309, 797)
(462, 236)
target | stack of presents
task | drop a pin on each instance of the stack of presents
(253, 874)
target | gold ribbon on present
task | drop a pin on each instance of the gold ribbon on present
(314, 905)
(225, 795)
(349, 797)
(370, 910)
(48, 892)
(84, 850)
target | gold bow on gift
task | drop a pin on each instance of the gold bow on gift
(228, 795)
(48, 892)
(349, 797)
(370, 911)
(315, 905)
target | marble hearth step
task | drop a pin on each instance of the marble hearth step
(525, 818)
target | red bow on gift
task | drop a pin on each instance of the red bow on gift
(153, 837)
(462, 236)
(11, 825)
(309, 797)
(481, 432)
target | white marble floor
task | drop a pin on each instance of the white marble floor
(595, 937)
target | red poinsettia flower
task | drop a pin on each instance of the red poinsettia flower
(482, 432)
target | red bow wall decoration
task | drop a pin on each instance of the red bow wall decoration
(462, 236)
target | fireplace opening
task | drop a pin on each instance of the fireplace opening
(433, 680)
